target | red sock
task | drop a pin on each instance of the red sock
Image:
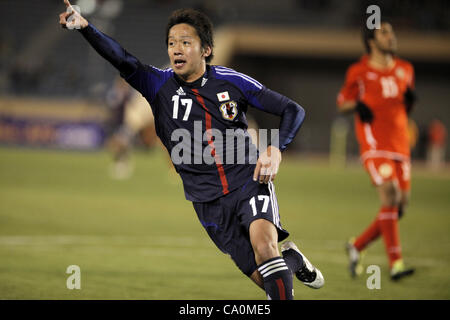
(371, 233)
(388, 223)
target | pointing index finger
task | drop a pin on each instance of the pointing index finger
(67, 3)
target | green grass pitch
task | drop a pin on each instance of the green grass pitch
(140, 239)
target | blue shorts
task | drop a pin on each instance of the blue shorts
(227, 220)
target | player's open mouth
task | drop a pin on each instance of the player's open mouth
(178, 63)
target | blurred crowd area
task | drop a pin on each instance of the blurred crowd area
(37, 58)
(40, 60)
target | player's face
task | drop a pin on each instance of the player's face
(385, 40)
(187, 57)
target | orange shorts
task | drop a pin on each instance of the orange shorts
(383, 169)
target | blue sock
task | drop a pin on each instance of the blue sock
(277, 279)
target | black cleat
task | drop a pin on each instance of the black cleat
(354, 258)
(399, 271)
(308, 274)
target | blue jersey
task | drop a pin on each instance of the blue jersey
(203, 124)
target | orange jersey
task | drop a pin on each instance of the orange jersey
(383, 92)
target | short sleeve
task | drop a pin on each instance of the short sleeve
(350, 89)
(412, 77)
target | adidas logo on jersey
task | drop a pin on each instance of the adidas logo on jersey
(181, 92)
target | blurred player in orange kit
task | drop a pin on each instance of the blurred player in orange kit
(380, 90)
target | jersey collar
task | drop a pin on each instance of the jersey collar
(365, 60)
(200, 82)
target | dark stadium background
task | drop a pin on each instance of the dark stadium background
(138, 238)
(319, 39)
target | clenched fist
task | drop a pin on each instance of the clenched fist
(267, 165)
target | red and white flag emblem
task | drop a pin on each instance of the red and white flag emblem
(223, 96)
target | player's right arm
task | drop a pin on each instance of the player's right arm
(347, 106)
(349, 98)
(349, 94)
(107, 47)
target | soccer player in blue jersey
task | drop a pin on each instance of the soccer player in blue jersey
(202, 105)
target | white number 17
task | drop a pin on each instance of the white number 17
(265, 204)
(185, 102)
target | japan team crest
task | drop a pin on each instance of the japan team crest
(229, 110)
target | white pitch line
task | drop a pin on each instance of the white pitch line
(331, 251)
(97, 240)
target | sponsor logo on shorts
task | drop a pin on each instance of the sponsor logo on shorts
(385, 170)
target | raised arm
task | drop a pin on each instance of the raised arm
(107, 47)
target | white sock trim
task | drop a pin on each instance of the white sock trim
(273, 266)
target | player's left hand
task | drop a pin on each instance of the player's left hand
(267, 165)
(409, 99)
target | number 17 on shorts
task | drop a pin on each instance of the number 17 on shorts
(265, 205)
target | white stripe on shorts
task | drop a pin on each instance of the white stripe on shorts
(274, 204)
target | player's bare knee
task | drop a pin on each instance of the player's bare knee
(265, 250)
(263, 237)
(390, 194)
(404, 199)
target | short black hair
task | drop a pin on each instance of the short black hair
(369, 34)
(199, 21)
